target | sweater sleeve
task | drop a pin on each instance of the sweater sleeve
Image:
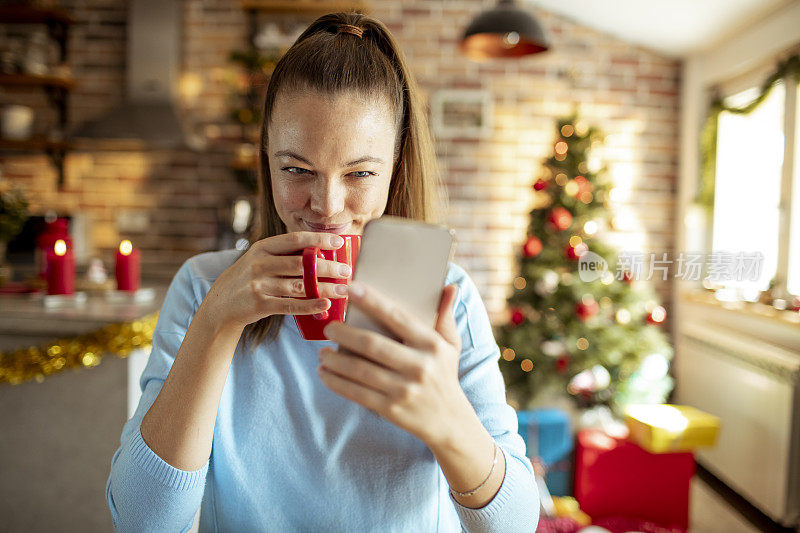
(515, 507)
(144, 492)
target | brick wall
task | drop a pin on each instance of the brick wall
(629, 92)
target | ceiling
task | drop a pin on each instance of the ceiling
(673, 27)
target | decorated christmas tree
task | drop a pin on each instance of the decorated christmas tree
(583, 320)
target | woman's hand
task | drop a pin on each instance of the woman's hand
(262, 281)
(413, 384)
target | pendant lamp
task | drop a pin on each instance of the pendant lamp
(503, 31)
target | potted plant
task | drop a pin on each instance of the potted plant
(13, 213)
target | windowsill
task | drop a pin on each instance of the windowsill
(750, 319)
(749, 309)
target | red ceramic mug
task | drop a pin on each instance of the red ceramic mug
(311, 326)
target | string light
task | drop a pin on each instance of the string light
(575, 241)
(509, 354)
(561, 179)
(526, 365)
(658, 314)
(567, 130)
(582, 343)
(520, 283)
(572, 188)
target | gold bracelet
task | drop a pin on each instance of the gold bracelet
(476, 489)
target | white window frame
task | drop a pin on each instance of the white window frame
(789, 174)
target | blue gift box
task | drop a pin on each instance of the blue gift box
(548, 436)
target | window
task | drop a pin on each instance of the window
(753, 214)
(793, 278)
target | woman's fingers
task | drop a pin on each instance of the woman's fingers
(295, 288)
(297, 240)
(292, 265)
(397, 319)
(374, 346)
(293, 306)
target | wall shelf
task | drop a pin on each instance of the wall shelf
(32, 80)
(56, 20)
(56, 87)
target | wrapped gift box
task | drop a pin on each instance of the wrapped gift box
(548, 436)
(671, 428)
(617, 478)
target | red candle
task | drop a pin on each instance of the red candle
(60, 269)
(127, 267)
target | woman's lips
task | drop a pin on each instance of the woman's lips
(328, 229)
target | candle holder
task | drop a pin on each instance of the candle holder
(58, 301)
(138, 296)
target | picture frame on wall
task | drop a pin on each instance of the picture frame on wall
(461, 113)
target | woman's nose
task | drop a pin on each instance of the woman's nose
(327, 198)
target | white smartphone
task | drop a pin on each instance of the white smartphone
(406, 260)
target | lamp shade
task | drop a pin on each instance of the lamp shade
(503, 31)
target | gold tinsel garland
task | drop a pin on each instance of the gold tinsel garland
(82, 351)
(787, 69)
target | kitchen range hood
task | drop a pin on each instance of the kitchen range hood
(148, 115)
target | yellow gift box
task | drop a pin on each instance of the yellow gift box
(671, 428)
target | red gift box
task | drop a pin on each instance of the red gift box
(615, 477)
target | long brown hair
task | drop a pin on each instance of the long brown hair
(326, 60)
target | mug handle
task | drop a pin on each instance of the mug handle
(310, 276)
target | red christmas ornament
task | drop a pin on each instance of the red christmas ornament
(586, 310)
(533, 247)
(576, 252)
(540, 185)
(627, 276)
(562, 364)
(560, 218)
(517, 316)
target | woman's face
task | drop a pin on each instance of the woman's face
(330, 160)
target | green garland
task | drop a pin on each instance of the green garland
(708, 138)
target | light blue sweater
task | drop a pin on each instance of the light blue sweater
(291, 455)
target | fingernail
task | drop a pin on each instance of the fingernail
(356, 289)
(340, 289)
(345, 270)
(336, 241)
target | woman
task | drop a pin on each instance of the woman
(241, 416)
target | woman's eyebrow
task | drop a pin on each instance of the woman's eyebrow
(363, 159)
(287, 153)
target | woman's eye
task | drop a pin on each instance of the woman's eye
(295, 170)
(362, 173)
